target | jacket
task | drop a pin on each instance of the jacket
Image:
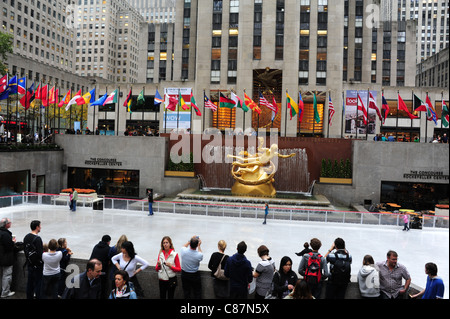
(165, 272)
(83, 289)
(239, 270)
(369, 281)
(6, 248)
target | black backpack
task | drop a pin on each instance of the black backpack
(31, 254)
(340, 272)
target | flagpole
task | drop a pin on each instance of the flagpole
(367, 109)
(285, 117)
(118, 111)
(426, 124)
(357, 104)
(26, 99)
(328, 129)
(396, 124)
(17, 109)
(299, 123)
(47, 111)
(204, 111)
(442, 106)
(412, 99)
(343, 115)
(93, 116)
(54, 106)
(143, 93)
(59, 113)
(191, 114)
(382, 110)
(314, 120)
(243, 119)
(178, 107)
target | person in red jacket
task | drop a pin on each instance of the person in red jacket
(167, 267)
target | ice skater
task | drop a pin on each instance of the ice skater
(266, 212)
(406, 221)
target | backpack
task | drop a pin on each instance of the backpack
(340, 272)
(313, 272)
(31, 254)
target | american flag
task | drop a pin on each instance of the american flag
(264, 102)
(209, 104)
(330, 110)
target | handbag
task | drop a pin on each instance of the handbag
(220, 273)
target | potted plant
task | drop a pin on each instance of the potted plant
(337, 172)
(181, 169)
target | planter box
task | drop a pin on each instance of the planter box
(332, 180)
(179, 174)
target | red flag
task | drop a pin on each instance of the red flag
(44, 95)
(65, 100)
(373, 105)
(170, 102)
(331, 110)
(362, 108)
(385, 108)
(3, 83)
(402, 106)
(194, 105)
(37, 93)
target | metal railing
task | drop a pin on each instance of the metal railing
(224, 210)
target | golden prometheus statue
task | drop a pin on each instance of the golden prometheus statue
(254, 173)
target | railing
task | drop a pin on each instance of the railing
(223, 210)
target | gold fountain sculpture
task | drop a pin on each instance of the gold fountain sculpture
(254, 173)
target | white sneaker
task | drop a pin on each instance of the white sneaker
(11, 293)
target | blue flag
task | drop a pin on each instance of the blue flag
(101, 100)
(12, 85)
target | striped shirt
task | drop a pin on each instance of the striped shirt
(391, 280)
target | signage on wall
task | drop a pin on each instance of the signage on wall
(435, 175)
(102, 161)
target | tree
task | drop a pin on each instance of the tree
(6, 46)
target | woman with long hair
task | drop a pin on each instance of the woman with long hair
(127, 260)
(167, 266)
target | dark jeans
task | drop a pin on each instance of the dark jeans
(49, 288)
(316, 289)
(191, 282)
(336, 291)
(34, 282)
(165, 290)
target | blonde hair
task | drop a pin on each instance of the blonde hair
(222, 245)
(120, 242)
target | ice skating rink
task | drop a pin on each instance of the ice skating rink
(84, 228)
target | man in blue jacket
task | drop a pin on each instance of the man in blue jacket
(239, 270)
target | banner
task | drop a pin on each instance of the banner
(351, 122)
(179, 118)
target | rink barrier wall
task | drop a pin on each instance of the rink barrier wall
(148, 279)
(315, 214)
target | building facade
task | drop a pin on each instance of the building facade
(108, 37)
(155, 11)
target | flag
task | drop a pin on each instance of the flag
(53, 95)
(238, 102)
(112, 98)
(73, 100)
(28, 97)
(170, 103)
(384, 108)
(65, 100)
(22, 85)
(226, 102)
(263, 101)
(274, 108)
(431, 113)
(12, 85)
(194, 105)
(86, 98)
(301, 107)
(330, 110)
(158, 98)
(445, 114)
(37, 93)
(249, 103)
(291, 105)
(127, 102)
(362, 107)
(373, 105)
(402, 106)
(419, 105)
(181, 102)
(3, 83)
(209, 104)
(141, 98)
(316, 111)
(100, 101)
(44, 95)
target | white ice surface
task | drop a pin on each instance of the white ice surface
(85, 227)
